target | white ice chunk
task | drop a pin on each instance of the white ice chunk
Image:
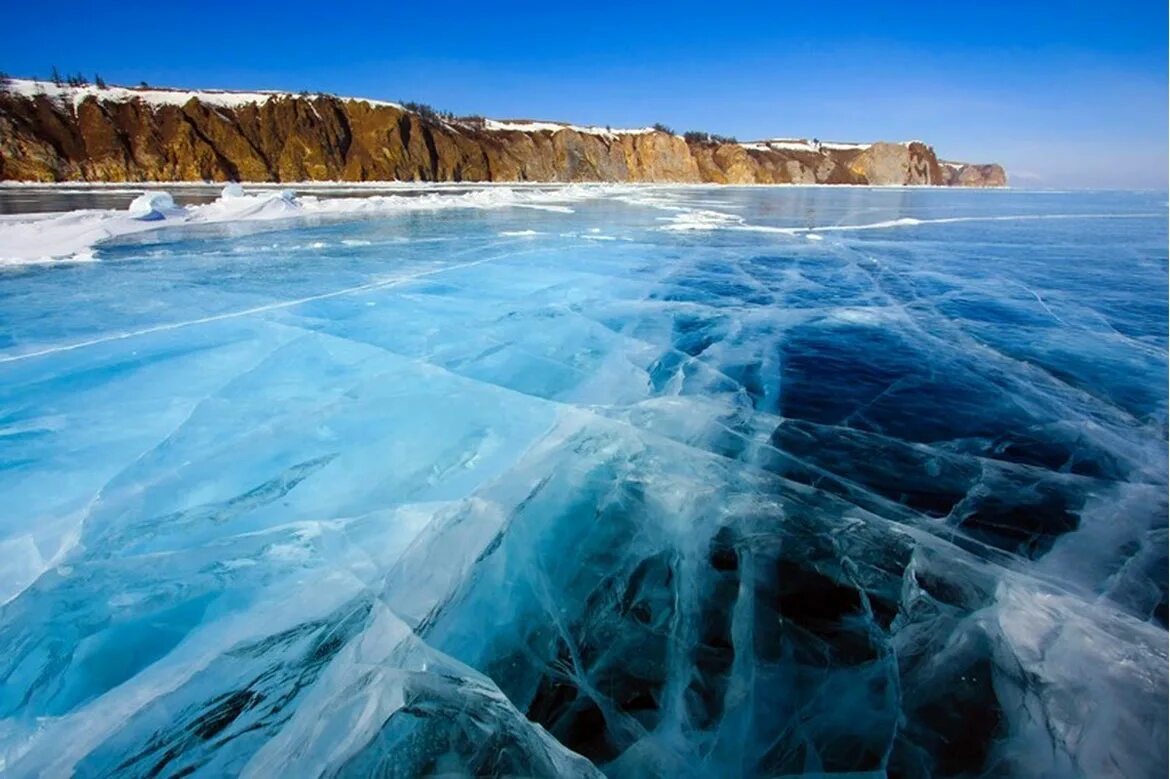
(153, 206)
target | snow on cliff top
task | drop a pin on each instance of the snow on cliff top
(527, 126)
(804, 144)
(156, 96)
(800, 144)
(224, 98)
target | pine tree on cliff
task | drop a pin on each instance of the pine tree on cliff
(56, 76)
(98, 81)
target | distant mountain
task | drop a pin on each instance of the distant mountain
(52, 132)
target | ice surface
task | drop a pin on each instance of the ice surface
(446, 485)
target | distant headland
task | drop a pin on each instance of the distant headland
(71, 130)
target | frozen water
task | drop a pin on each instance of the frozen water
(153, 206)
(633, 481)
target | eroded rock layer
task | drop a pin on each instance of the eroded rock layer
(88, 135)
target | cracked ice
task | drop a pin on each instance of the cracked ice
(631, 482)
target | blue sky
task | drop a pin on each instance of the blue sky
(1062, 93)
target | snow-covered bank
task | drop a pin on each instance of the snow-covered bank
(73, 236)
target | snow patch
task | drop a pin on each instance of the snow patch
(689, 220)
(524, 126)
(802, 145)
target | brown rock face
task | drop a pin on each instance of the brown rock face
(960, 174)
(287, 138)
(895, 163)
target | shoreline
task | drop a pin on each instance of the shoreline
(393, 184)
(406, 185)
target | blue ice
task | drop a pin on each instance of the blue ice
(637, 482)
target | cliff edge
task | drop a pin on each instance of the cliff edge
(52, 132)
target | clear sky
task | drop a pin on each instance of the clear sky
(1062, 93)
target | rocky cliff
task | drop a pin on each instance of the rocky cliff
(59, 133)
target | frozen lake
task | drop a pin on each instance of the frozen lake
(570, 481)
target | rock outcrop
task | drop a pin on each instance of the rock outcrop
(53, 133)
(961, 174)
